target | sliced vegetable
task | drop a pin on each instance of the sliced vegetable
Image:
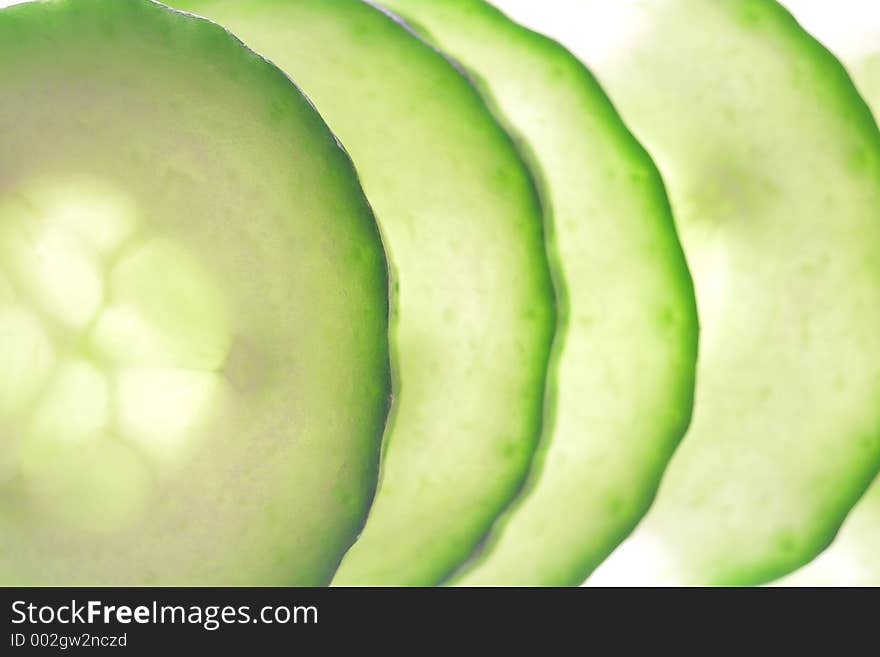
(193, 309)
(773, 166)
(851, 29)
(622, 381)
(475, 311)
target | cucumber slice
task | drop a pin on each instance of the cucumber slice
(475, 300)
(621, 387)
(851, 29)
(193, 309)
(773, 165)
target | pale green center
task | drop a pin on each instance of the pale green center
(111, 343)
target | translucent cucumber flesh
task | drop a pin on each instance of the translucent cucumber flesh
(192, 286)
(773, 167)
(850, 29)
(622, 381)
(474, 299)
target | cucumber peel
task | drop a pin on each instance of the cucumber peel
(621, 384)
(185, 252)
(475, 315)
(851, 30)
(851, 560)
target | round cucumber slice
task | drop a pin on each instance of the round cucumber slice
(621, 385)
(474, 298)
(851, 29)
(193, 309)
(772, 161)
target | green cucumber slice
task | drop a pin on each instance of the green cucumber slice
(851, 29)
(475, 307)
(772, 161)
(193, 309)
(621, 387)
